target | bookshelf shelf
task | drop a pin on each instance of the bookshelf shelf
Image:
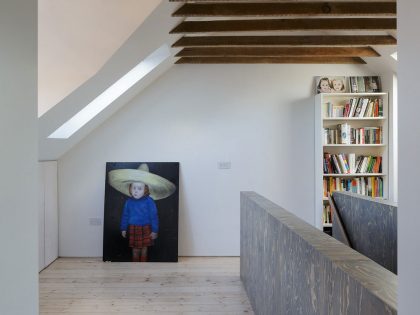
(354, 118)
(348, 95)
(331, 126)
(355, 175)
(354, 145)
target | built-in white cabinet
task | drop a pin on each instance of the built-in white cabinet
(48, 213)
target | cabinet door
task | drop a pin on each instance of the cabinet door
(41, 217)
(51, 212)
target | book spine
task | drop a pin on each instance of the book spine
(325, 135)
(360, 84)
(346, 162)
(381, 135)
(351, 107)
(349, 132)
(353, 83)
(381, 108)
(343, 133)
(357, 164)
(371, 163)
(352, 160)
(362, 135)
(337, 166)
(358, 108)
(364, 165)
(370, 109)
(364, 105)
(342, 164)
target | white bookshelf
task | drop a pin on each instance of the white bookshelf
(321, 122)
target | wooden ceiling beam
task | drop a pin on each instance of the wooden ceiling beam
(270, 60)
(345, 40)
(374, 24)
(287, 9)
(278, 52)
(273, 1)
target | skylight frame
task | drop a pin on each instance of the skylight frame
(111, 94)
(395, 56)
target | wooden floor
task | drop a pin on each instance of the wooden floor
(191, 286)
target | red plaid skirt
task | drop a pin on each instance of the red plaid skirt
(139, 236)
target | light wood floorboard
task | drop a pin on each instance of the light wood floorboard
(194, 285)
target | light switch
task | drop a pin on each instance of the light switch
(223, 165)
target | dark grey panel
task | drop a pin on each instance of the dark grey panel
(289, 267)
(371, 225)
(339, 230)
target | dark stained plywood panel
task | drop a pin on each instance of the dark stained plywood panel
(339, 229)
(290, 267)
(371, 226)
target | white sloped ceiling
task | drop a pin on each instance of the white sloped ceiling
(150, 35)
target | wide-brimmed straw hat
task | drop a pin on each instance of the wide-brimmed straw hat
(159, 187)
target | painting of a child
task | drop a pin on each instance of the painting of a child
(138, 204)
(338, 85)
(324, 86)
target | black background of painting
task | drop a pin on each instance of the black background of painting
(165, 248)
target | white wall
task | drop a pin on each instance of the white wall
(259, 117)
(409, 153)
(48, 213)
(389, 83)
(18, 158)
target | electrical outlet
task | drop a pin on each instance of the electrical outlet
(95, 221)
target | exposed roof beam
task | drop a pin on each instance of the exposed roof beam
(278, 52)
(285, 25)
(270, 60)
(275, 1)
(352, 40)
(287, 9)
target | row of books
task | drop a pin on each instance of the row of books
(355, 107)
(368, 186)
(365, 84)
(349, 164)
(326, 214)
(345, 134)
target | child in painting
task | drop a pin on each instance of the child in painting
(338, 85)
(141, 219)
(324, 86)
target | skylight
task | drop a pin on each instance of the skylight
(111, 94)
(394, 55)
